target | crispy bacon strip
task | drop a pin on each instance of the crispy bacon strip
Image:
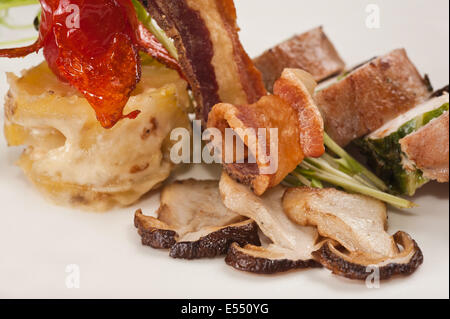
(297, 87)
(293, 113)
(211, 56)
(268, 112)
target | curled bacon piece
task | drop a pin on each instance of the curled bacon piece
(213, 60)
(94, 45)
(299, 125)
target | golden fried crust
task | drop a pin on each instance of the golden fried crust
(428, 149)
(211, 56)
(311, 51)
(371, 96)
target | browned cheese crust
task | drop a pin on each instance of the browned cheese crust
(210, 53)
(311, 51)
(371, 96)
(428, 149)
(347, 266)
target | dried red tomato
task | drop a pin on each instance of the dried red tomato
(94, 45)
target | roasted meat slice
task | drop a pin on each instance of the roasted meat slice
(311, 51)
(292, 114)
(291, 245)
(209, 51)
(355, 226)
(193, 223)
(427, 149)
(370, 96)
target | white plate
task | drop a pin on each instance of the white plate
(38, 240)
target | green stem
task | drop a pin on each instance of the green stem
(162, 38)
(316, 183)
(292, 181)
(335, 163)
(147, 21)
(353, 164)
(356, 187)
(320, 163)
(302, 179)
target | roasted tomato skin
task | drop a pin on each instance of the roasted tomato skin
(96, 51)
(94, 46)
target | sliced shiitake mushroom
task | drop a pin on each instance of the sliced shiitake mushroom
(357, 222)
(354, 266)
(270, 259)
(356, 227)
(153, 232)
(292, 244)
(193, 223)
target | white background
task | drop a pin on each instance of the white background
(38, 240)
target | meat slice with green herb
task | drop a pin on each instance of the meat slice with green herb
(427, 150)
(406, 152)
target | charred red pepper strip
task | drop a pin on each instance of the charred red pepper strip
(94, 45)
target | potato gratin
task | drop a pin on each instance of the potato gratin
(72, 159)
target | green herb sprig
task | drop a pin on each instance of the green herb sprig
(338, 168)
(148, 22)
